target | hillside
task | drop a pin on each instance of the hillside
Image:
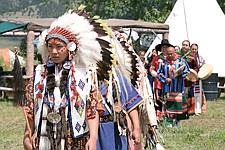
(32, 8)
(50, 8)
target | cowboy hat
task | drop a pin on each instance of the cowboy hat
(163, 42)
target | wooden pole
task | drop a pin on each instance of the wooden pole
(18, 34)
(166, 35)
(30, 53)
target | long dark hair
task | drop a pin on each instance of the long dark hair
(194, 44)
(18, 83)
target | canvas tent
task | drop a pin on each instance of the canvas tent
(201, 22)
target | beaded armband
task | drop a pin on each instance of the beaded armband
(29, 99)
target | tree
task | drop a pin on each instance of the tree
(147, 10)
(23, 47)
(222, 5)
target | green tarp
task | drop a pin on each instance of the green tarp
(8, 26)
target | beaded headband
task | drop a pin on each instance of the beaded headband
(62, 34)
(59, 36)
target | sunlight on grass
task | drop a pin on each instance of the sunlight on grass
(11, 127)
(203, 132)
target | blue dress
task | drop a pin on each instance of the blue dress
(108, 136)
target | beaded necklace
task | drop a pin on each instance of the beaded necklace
(49, 96)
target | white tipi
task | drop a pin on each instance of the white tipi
(201, 22)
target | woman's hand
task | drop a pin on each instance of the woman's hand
(27, 142)
(168, 80)
(29, 131)
(136, 136)
(91, 144)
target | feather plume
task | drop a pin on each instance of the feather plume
(100, 32)
(89, 49)
(132, 60)
(104, 43)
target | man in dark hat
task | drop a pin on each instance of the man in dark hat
(153, 70)
(164, 43)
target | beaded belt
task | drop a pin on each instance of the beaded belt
(107, 118)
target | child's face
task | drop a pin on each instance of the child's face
(57, 50)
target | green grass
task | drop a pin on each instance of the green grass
(12, 125)
(203, 132)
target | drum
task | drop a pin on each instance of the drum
(205, 71)
(179, 71)
(192, 76)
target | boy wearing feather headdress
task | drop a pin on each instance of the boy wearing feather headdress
(63, 112)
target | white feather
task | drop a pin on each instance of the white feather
(42, 49)
(89, 50)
